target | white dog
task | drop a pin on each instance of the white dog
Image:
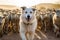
(28, 23)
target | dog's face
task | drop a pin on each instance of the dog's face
(28, 14)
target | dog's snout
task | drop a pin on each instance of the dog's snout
(28, 16)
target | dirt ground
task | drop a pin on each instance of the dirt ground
(40, 36)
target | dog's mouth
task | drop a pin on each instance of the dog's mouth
(28, 19)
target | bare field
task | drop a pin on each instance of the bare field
(40, 35)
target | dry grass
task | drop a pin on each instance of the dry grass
(47, 5)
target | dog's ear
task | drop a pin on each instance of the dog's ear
(23, 8)
(33, 9)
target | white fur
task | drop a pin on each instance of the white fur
(29, 29)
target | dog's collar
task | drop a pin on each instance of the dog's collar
(27, 23)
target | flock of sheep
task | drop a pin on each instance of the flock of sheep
(48, 19)
(9, 21)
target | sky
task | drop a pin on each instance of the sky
(26, 3)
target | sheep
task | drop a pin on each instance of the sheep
(56, 22)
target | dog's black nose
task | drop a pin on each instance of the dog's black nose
(28, 16)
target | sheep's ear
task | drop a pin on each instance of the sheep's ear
(23, 8)
(33, 9)
(54, 10)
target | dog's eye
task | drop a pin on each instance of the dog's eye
(30, 12)
(26, 12)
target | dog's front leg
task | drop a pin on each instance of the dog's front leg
(23, 35)
(31, 35)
